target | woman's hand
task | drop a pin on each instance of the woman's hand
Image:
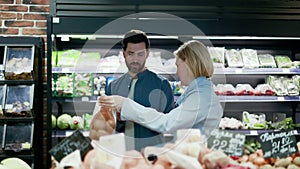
(114, 101)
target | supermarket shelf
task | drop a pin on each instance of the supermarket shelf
(16, 119)
(257, 132)
(19, 155)
(256, 71)
(66, 133)
(225, 71)
(259, 98)
(222, 99)
(17, 82)
(76, 99)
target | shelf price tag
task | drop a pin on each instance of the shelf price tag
(9, 106)
(278, 143)
(285, 70)
(76, 141)
(85, 99)
(239, 71)
(280, 98)
(230, 143)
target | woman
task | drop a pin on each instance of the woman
(198, 107)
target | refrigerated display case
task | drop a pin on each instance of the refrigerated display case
(232, 26)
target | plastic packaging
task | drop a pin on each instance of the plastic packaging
(244, 89)
(19, 101)
(283, 61)
(83, 84)
(266, 61)
(20, 141)
(19, 63)
(233, 58)
(217, 55)
(250, 58)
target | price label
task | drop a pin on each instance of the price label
(286, 70)
(65, 70)
(85, 99)
(76, 141)
(278, 144)
(230, 143)
(9, 106)
(239, 71)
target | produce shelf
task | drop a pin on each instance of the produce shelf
(66, 133)
(257, 132)
(256, 71)
(259, 98)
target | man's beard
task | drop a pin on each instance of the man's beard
(135, 67)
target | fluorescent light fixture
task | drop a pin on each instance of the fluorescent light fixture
(162, 37)
(245, 38)
(89, 36)
(93, 37)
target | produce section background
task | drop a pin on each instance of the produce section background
(29, 18)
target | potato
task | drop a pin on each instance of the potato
(293, 166)
(98, 125)
(282, 163)
(266, 166)
(296, 161)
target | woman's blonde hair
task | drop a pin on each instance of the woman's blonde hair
(197, 58)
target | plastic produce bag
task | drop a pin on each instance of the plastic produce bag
(103, 122)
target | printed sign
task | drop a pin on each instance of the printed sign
(70, 144)
(278, 144)
(229, 142)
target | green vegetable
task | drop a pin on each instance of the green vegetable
(76, 123)
(53, 118)
(63, 121)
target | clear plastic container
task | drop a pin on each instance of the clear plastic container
(283, 61)
(83, 84)
(22, 140)
(234, 58)
(19, 101)
(2, 98)
(217, 56)
(250, 58)
(19, 62)
(266, 61)
(64, 85)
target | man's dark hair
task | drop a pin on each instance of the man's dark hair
(135, 36)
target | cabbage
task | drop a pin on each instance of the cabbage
(53, 118)
(63, 121)
(76, 123)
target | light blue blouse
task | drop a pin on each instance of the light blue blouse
(198, 107)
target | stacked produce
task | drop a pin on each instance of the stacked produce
(244, 90)
(189, 153)
(284, 86)
(256, 122)
(66, 121)
(249, 58)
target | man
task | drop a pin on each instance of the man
(142, 86)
